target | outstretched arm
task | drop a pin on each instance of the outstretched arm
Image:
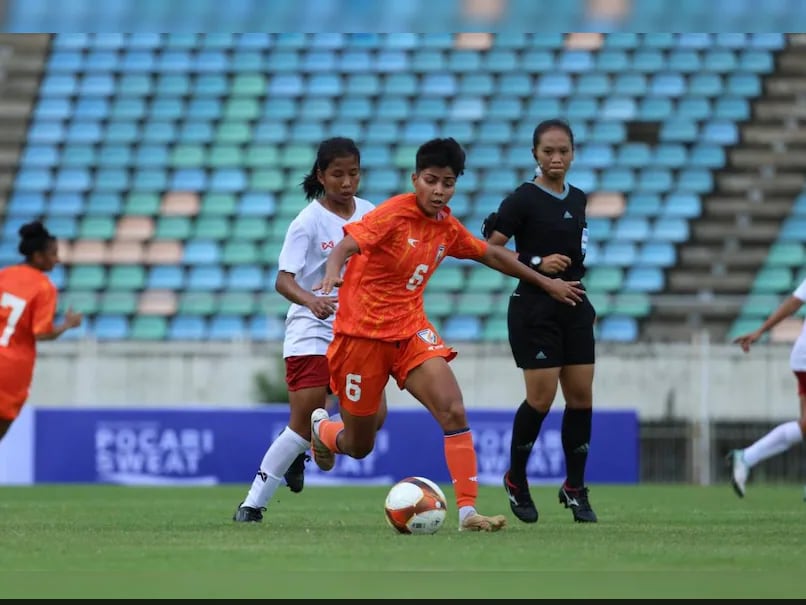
(503, 260)
(548, 265)
(343, 250)
(71, 320)
(789, 307)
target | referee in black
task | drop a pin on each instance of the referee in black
(551, 342)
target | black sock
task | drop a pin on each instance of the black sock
(576, 436)
(525, 428)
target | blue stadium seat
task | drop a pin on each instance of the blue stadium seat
(205, 277)
(799, 207)
(63, 227)
(554, 85)
(793, 229)
(678, 130)
(70, 180)
(166, 277)
(686, 205)
(263, 328)
(719, 60)
(9, 254)
(644, 279)
(720, 133)
(187, 327)
(111, 327)
(227, 327)
(461, 328)
(648, 60)
(26, 204)
(654, 109)
(670, 155)
(697, 180)
(657, 254)
(619, 254)
(246, 277)
(694, 108)
(643, 203)
(618, 329)
(654, 180)
(66, 204)
(632, 228)
(201, 252)
(670, 229)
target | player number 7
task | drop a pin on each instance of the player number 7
(17, 306)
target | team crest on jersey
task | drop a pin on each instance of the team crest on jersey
(440, 253)
(427, 336)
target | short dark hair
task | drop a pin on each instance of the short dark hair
(548, 125)
(441, 153)
(34, 237)
(329, 150)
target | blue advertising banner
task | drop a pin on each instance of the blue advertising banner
(208, 447)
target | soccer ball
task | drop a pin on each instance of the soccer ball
(415, 505)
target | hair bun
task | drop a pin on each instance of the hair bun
(34, 229)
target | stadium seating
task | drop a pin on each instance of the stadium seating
(782, 272)
(397, 16)
(169, 165)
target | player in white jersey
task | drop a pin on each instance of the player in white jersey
(785, 435)
(331, 187)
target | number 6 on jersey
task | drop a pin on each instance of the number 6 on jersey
(417, 277)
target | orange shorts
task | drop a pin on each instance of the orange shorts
(360, 367)
(15, 382)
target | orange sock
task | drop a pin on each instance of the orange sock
(329, 431)
(461, 459)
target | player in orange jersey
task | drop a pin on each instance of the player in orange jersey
(381, 329)
(27, 306)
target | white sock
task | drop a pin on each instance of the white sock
(778, 440)
(465, 512)
(282, 452)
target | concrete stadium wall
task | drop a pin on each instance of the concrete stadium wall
(659, 380)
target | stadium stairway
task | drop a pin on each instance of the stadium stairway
(22, 63)
(742, 216)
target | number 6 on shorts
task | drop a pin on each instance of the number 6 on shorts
(352, 387)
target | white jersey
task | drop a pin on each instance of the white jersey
(308, 242)
(797, 358)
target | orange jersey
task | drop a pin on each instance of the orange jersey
(382, 294)
(27, 306)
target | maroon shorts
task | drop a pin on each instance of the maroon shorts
(306, 372)
(801, 376)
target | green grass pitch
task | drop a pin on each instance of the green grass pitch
(328, 542)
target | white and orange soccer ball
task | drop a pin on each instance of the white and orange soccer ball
(415, 505)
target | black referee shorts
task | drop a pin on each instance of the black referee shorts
(545, 333)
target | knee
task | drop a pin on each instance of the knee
(579, 403)
(451, 414)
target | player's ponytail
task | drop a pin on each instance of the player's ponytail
(34, 237)
(329, 150)
(311, 186)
